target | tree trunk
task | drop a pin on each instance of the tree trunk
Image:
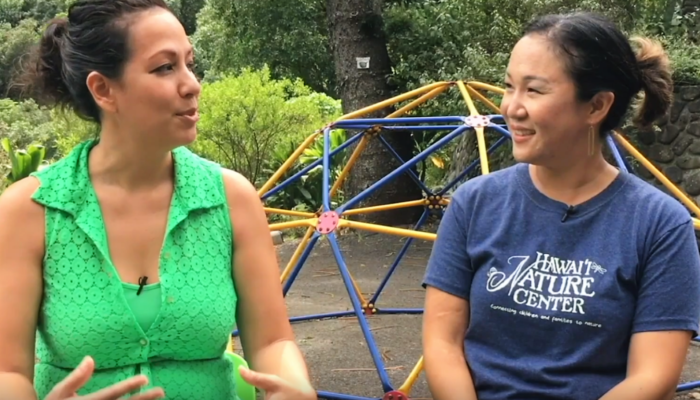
(356, 31)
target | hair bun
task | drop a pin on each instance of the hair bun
(655, 80)
(57, 28)
(48, 82)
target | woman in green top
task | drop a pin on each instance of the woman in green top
(125, 266)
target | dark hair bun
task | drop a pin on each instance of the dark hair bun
(50, 85)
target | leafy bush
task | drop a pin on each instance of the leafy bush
(248, 117)
(26, 122)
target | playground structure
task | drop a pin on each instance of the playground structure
(326, 221)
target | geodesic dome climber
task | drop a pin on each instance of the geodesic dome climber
(326, 221)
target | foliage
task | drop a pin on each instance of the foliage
(15, 43)
(288, 36)
(23, 162)
(25, 122)
(16, 11)
(247, 117)
(69, 130)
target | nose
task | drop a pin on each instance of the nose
(512, 106)
(190, 86)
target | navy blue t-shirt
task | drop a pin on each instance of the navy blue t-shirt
(554, 303)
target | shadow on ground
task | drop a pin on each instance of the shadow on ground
(336, 350)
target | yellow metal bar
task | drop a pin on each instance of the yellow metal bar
(289, 212)
(363, 142)
(696, 223)
(348, 165)
(393, 100)
(486, 86)
(292, 224)
(231, 346)
(386, 207)
(297, 253)
(660, 176)
(386, 229)
(287, 164)
(483, 99)
(415, 103)
(481, 141)
(412, 378)
(360, 297)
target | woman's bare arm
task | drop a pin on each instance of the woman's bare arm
(266, 334)
(445, 323)
(656, 361)
(21, 250)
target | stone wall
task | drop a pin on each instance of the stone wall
(674, 146)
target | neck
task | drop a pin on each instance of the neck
(118, 161)
(576, 182)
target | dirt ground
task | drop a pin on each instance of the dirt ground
(335, 349)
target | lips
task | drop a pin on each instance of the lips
(188, 113)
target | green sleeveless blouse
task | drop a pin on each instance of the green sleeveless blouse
(86, 307)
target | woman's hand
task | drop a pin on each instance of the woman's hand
(277, 388)
(68, 387)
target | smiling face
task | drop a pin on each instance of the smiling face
(549, 125)
(155, 99)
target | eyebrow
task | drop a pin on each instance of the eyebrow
(532, 78)
(172, 53)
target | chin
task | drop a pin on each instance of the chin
(521, 155)
(186, 137)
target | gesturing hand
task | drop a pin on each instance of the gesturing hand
(67, 388)
(275, 387)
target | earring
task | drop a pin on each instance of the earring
(591, 140)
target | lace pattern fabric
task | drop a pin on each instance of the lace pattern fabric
(85, 312)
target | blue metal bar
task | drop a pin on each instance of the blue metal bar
(402, 252)
(309, 246)
(471, 166)
(364, 325)
(400, 311)
(399, 120)
(413, 176)
(687, 386)
(321, 316)
(309, 167)
(421, 156)
(339, 396)
(325, 185)
(616, 154)
(500, 129)
(406, 128)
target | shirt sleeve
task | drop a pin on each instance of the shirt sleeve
(449, 268)
(669, 286)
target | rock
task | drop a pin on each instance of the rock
(669, 134)
(676, 110)
(688, 162)
(661, 153)
(645, 137)
(692, 184)
(694, 106)
(694, 148)
(674, 173)
(693, 129)
(690, 93)
(681, 145)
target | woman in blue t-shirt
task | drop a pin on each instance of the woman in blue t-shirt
(562, 277)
